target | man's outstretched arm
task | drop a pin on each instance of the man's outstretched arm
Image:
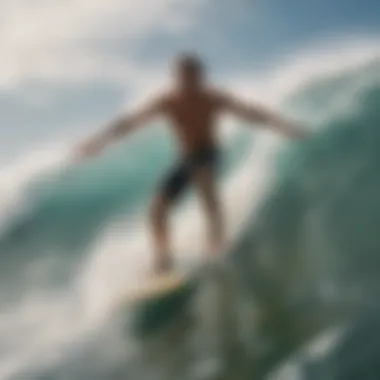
(122, 126)
(257, 114)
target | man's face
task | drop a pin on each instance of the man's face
(189, 75)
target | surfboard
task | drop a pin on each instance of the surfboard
(162, 298)
(158, 302)
(155, 287)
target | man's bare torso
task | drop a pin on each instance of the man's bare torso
(193, 118)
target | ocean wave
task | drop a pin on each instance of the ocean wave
(314, 223)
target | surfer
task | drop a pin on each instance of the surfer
(192, 107)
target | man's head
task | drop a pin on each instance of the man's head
(189, 71)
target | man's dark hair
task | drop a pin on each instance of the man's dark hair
(190, 62)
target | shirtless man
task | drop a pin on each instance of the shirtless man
(192, 107)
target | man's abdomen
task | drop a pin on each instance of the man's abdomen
(193, 141)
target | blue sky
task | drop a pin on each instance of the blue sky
(67, 66)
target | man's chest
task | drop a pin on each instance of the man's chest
(194, 113)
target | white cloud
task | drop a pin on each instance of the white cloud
(66, 40)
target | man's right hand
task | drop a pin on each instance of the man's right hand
(298, 133)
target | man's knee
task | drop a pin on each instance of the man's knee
(207, 191)
(159, 209)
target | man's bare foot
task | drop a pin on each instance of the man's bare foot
(163, 265)
(215, 249)
(214, 255)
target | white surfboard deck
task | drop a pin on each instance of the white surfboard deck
(155, 287)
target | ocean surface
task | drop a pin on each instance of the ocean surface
(303, 220)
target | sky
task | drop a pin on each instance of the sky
(69, 65)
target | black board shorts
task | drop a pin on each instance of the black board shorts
(180, 176)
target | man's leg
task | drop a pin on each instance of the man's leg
(159, 225)
(206, 184)
(168, 194)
